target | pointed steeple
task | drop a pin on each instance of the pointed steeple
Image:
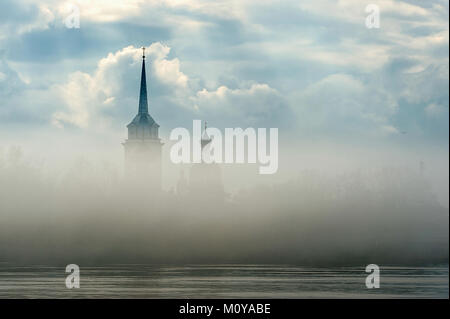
(143, 126)
(143, 104)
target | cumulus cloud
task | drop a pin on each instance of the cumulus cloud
(78, 94)
(109, 93)
(98, 96)
(258, 105)
(344, 103)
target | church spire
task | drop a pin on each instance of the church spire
(143, 126)
(143, 105)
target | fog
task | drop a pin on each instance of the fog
(81, 209)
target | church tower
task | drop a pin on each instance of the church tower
(205, 179)
(143, 146)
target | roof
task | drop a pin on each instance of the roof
(143, 119)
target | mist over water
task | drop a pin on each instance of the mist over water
(87, 212)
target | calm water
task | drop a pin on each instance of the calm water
(222, 281)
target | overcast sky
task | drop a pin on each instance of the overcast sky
(310, 67)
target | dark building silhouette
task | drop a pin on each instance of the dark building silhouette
(143, 146)
(206, 178)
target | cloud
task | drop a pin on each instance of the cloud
(19, 17)
(10, 81)
(109, 95)
(350, 10)
(389, 129)
(168, 71)
(79, 94)
(94, 99)
(257, 106)
(342, 103)
(436, 110)
(423, 86)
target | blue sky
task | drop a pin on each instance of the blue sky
(311, 68)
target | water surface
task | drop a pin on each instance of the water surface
(222, 281)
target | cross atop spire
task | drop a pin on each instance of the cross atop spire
(143, 105)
